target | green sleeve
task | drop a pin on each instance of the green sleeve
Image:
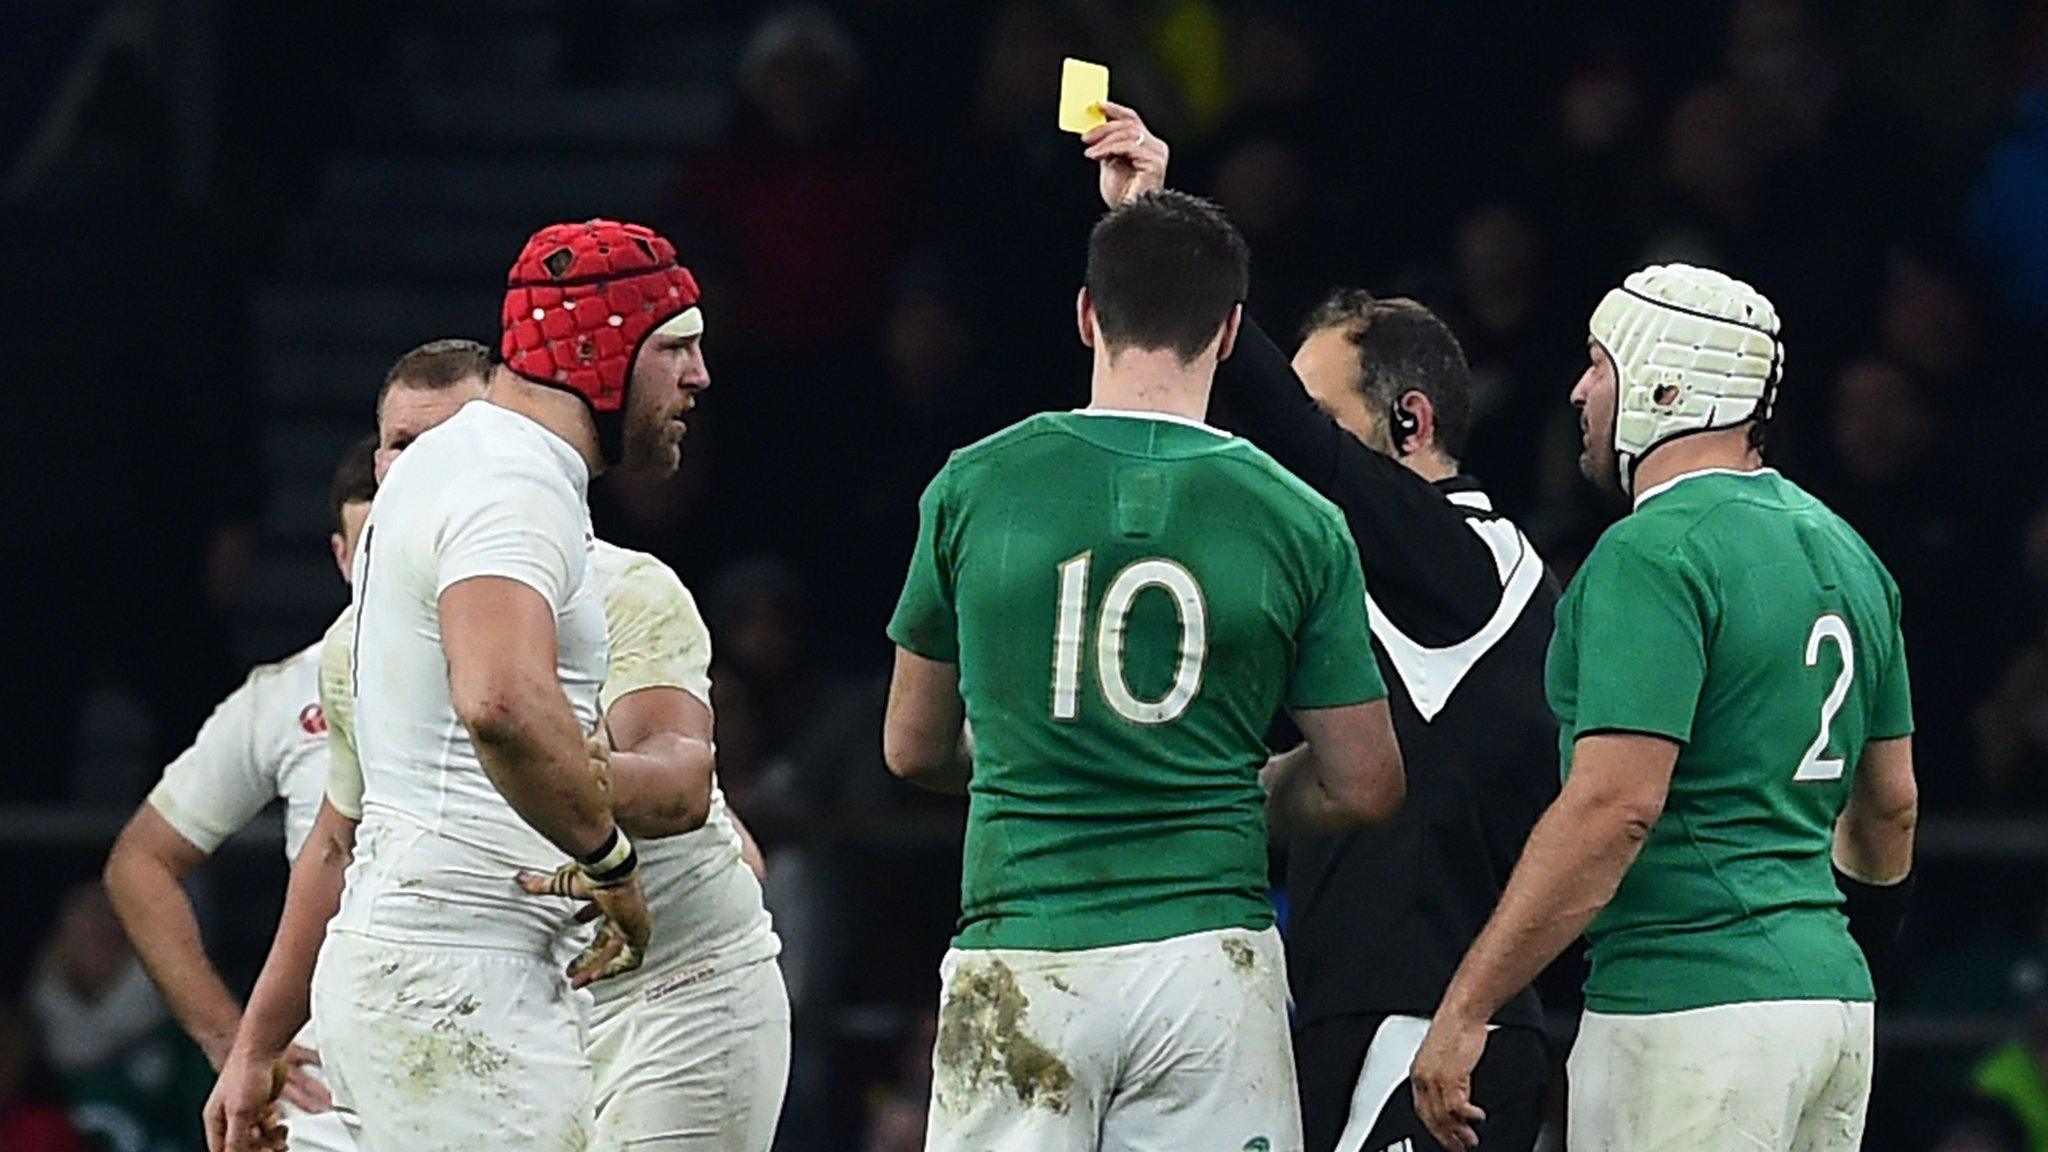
(1642, 647)
(925, 622)
(1893, 715)
(1334, 663)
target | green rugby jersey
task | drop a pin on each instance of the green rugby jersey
(1131, 598)
(1737, 615)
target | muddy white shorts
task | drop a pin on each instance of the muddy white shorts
(1160, 1047)
(693, 1061)
(438, 1049)
(1764, 1076)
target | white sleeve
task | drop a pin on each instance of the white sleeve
(523, 527)
(337, 704)
(215, 787)
(658, 638)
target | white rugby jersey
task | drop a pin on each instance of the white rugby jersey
(487, 493)
(704, 900)
(267, 741)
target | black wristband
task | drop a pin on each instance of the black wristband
(615, 876)
(610, 845)
(1876, 912)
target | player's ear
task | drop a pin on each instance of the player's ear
(1419, 406)
(1230, 326)
(1084, 317)
(336, 542)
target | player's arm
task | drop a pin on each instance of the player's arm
(657, 747)
(1641, 616)
(143, 877)
(1571, 867)
(924, 728)
(1873, 849)
(210, 792)
(281, 1001)
(924, 735)
(660, 769)
(750, 848)
(1413, 541)
(1349, 771)
(1346, 773)
(499, 636)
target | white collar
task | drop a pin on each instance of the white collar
(1645, 495)
(1169, 417)
(1471, 499)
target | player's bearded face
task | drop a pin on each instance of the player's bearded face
(1594, 397)
(667, 376)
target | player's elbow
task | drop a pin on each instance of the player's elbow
(489, 712)
(141, 863)
(907, 758)
(1374, 787)
(682, 810)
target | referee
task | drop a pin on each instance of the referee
(1461, 609)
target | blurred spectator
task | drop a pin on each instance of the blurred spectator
(132, 543)
(132, 1079)
(1524, 340)
(2012, 724)
(1981, 1126)
(1896, 480)
(932, 386)
(2006, 225)
(808, 198)
(2015, 1078)
(898, 1109)
(1269, 189)
(1785, 74)
(30, 1119)
(1930, 325)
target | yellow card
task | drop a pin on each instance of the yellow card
(1083, 86)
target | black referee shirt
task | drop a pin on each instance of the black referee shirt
(1461, 609)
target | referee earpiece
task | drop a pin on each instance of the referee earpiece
(1401, 425)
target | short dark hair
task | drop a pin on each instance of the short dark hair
(1164, 270)
(355, 479)
(1403, 347)
(438, 364)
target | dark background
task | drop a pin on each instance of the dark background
(222, 220)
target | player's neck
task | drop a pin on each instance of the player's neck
(553, 409)
(1722, 451)
(1137, 380)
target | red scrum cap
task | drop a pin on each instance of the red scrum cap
(582, 298)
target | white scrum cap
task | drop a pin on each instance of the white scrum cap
(1693, 350)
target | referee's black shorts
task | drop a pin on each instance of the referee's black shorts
(1355, 1095)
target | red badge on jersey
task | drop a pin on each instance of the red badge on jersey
(313, 720)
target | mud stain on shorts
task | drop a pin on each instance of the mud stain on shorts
(450, 1056)
(983, 1046)
(1242, 957)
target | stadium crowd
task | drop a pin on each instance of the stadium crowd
(887, 229)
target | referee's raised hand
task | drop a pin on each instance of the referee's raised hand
(1132, 159)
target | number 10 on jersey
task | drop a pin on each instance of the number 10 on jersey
(1070, 629)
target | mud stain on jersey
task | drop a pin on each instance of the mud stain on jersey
(983, 1046)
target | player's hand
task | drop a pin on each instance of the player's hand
(1442, 1079)
(623, 932)
(1131, 159)
(241, 1111)
(598, 747)
(301, 1090)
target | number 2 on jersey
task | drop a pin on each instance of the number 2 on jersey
(1828, 627)
(1070, 627)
